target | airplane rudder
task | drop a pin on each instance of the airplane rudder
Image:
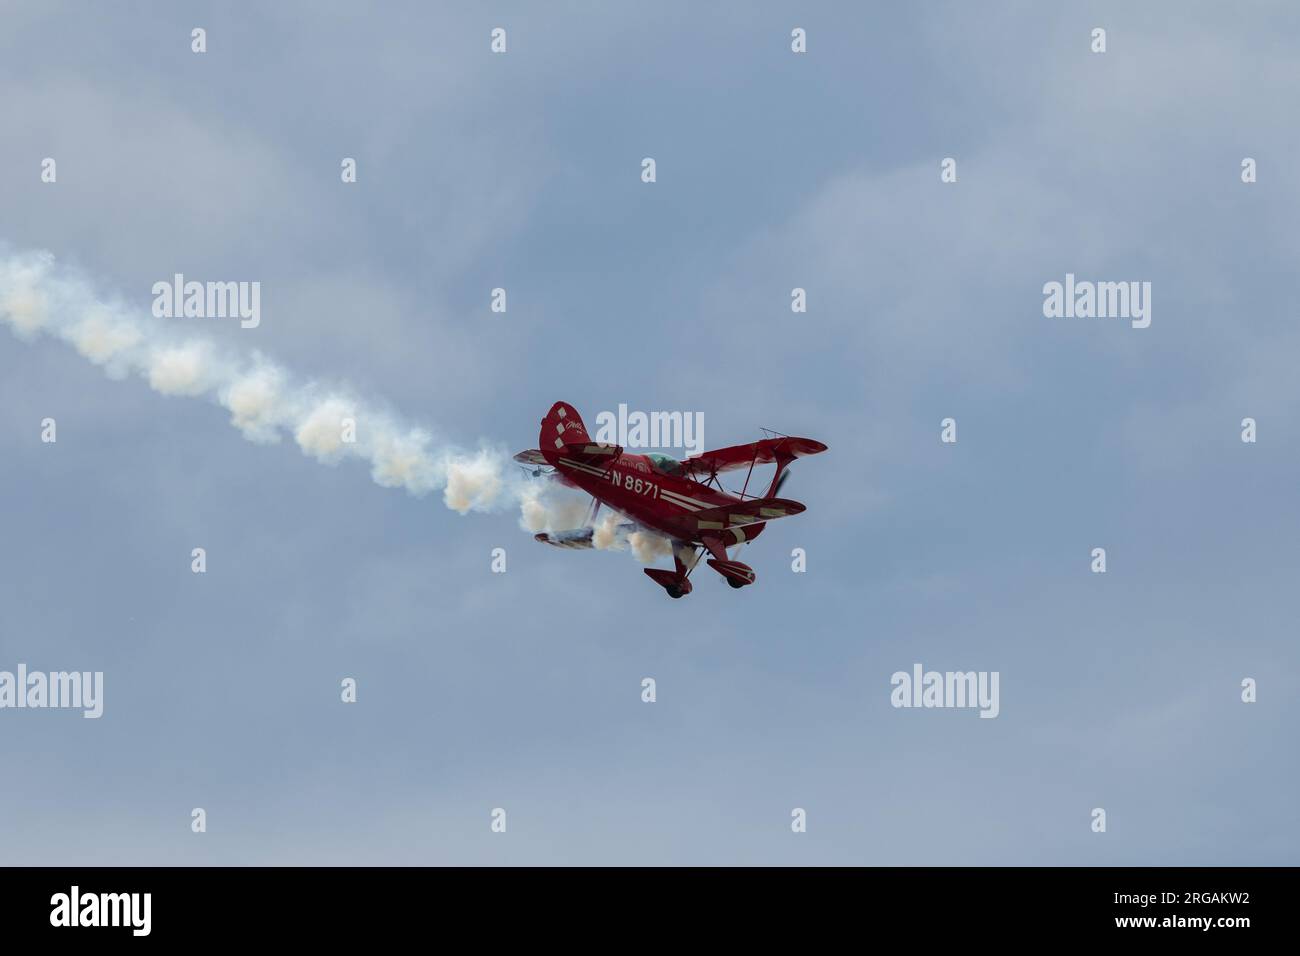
(562, 425)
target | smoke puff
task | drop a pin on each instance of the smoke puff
(254, 400)
(475, 483)
(22, 303)
(181, 369)
(320, 432)
(103, 339)
(648, 547)
(549, 508)
(606, 535)
(402, 461)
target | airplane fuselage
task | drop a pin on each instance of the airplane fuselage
(664, 503)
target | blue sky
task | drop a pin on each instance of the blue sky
(522, 690)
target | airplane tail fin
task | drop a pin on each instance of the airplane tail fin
(564, 439)
(562, 426)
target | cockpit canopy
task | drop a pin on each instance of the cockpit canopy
(664, 464)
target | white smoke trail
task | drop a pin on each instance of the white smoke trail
(331, 424)
(266, 403)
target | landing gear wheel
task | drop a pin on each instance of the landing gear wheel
(674, 591)
(734, 583)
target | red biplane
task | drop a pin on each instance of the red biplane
(682, 501)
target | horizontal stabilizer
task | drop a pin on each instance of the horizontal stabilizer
(590, 453)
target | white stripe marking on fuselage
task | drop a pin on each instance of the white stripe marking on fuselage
(667, 494)
(689, 500)
(580, 466)
(678, 500)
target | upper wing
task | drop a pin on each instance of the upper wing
(759, 452)
(754, 511)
